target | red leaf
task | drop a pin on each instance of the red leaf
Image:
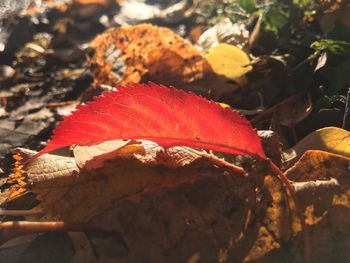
(167, 116)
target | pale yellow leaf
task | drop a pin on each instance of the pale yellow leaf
(329, 139)
(230, 62)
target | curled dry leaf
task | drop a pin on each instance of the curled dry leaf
(84, 155)
(48, 171)
(294, 110)
(224, 32)
(147, 152)
(330, 139)
(289, 112)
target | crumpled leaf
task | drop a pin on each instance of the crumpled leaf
(48, 170)
(289, 112)
(167, 116)
(110, 149)
(230, 62)
(330, 139)
(147, 152)
(294, 110)
(224, 32)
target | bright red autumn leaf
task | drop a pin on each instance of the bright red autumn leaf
(167, 116)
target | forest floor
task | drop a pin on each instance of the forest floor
(284, 65)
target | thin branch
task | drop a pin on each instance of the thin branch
(35, 211)
(346, 118)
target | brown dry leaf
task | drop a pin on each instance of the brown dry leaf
(49, 171)
(319, 165)
(330, 139)
(329, 19)
(323, 188)
(84, 155)
(294, 110)
(198, 219)
(288, 112)
(147, 152)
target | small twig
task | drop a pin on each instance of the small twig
(234, 169)
(220, 162)
(314, 185)
(346, 119)
(254, 36)
(307, 60)
(35, 211)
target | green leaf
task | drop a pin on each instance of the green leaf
(248, 5)
(303, 3)
(334, 46)
(276, 19)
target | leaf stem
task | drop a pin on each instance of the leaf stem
(300, 214)
(11, 229)
(234, 169)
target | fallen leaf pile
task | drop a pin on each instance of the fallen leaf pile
(174, 131)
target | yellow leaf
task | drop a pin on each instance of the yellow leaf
(230, 62)
(330, 139)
